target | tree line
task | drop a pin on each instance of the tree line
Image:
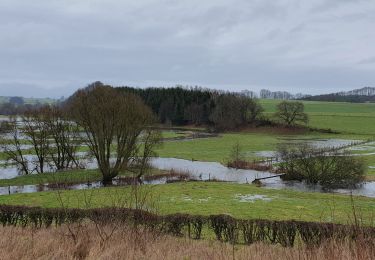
(218, 109)
(11, 108)
(342, 98)
(181, 106)
(283, 95)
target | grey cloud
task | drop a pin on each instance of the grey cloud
(370, 60)
(54, 47)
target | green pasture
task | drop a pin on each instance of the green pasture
(219, 148)
(207, 198)
(172, 134)
(269, 105)
(346, 118)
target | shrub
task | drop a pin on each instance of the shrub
(329, 168)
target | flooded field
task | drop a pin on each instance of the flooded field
(204, 171)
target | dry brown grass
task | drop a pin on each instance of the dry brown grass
(56, 243)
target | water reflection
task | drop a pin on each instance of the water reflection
(122, 181)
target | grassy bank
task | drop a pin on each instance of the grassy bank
(206, 198)
(71, 176)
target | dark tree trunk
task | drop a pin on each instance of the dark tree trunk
(107, 180)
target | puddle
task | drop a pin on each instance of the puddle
(251, 198)
(187, 198)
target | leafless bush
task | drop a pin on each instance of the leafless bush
(237, 160)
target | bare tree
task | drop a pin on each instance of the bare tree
(291, 113)
(232, 111)
(112, 123)
(150, 139)
(64, 135)
(236, 156)
(54, 140)
(37, 131)
(5, 127)
(13, 147)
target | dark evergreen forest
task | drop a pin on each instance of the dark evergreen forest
(199, 106)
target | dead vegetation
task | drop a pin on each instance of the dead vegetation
(128, 243)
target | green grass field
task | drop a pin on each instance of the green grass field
(171, 134)
(344, 117)
(207, 198)
(325, 107)
(219, 148)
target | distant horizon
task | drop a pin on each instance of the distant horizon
(257, 91)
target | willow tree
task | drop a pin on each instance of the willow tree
(113, 124)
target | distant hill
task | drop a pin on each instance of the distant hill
(366, 91)
(22, 100)
(362, 95)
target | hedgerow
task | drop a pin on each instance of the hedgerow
(225, 228)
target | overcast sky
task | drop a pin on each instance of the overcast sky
(52, 47)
